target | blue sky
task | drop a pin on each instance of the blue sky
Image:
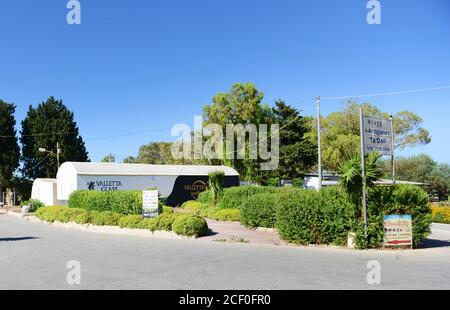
(142, 66)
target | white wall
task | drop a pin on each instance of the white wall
(44, 191)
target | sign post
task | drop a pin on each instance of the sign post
(363, 167)
(150, 203)
(376, 136)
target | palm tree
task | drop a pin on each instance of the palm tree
(216, 180)
(351, 179)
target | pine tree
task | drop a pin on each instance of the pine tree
(9, 148)
(49, 123)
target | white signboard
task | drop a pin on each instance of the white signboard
(150, 203)
(398, 230)
(377, 135)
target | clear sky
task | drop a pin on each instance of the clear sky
(133, 69)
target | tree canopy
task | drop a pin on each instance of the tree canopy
(49, 123)
(341, 132)
(9, 148)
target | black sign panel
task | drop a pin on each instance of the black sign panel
(189, 187)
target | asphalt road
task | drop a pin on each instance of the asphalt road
(35, 256)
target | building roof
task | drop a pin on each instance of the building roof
(88, 168)
(45, 180)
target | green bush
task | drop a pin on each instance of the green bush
(166, 209)
(310, 217)
(233, 197)
(106, 218)
(227, 215)
(205, 197)
(130, 221)
(193, 206)
(34, 204)
(165, 221)
(149, 223)
(50, 214)
(123, 202)
(84, 218)
(259, 211)
(69, 214)
(398, 199)
(189, 225)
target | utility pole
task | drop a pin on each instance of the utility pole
(319, 143)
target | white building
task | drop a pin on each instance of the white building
(178, 183)
(45, 191)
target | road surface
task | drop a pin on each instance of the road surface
(35, 256)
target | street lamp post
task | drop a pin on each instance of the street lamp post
(58, 152)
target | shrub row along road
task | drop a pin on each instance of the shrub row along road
(35, 256)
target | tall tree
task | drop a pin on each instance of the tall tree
(242, 105)
(340, 132)
(297, 152)
(422, 168)
(49, 123)
(9, 148)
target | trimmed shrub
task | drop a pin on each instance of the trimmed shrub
(50, 214)
(227, 215)
(310, 217)
(130, 221)
(205, 197)
(259, 211)
(189, 225)
(233, 197)
(106, 218)
(165, 221)
(123, 202)
(69, 214)
(194, 206)
(83, 218)
(398, 199)
(166, 209)
(149, 223)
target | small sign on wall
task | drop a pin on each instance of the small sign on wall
(150, 203)
(398, 231)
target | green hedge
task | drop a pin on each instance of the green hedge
(226, 215)
(310, 217)
(123, 202)
(233, 197)
(259, 211)
(130, 221)
(399, 199)
(106, 218)
(189, 225)
(149, 223)
(205, 197)
(69, 214)
(194, 206)
(50, 214)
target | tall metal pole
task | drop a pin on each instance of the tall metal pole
(363, 167)
(394, 179)
(319, 143)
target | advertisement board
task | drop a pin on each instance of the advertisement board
(398, 230)
(150, 203)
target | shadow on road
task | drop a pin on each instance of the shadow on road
(17, 238)
(434, 243)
